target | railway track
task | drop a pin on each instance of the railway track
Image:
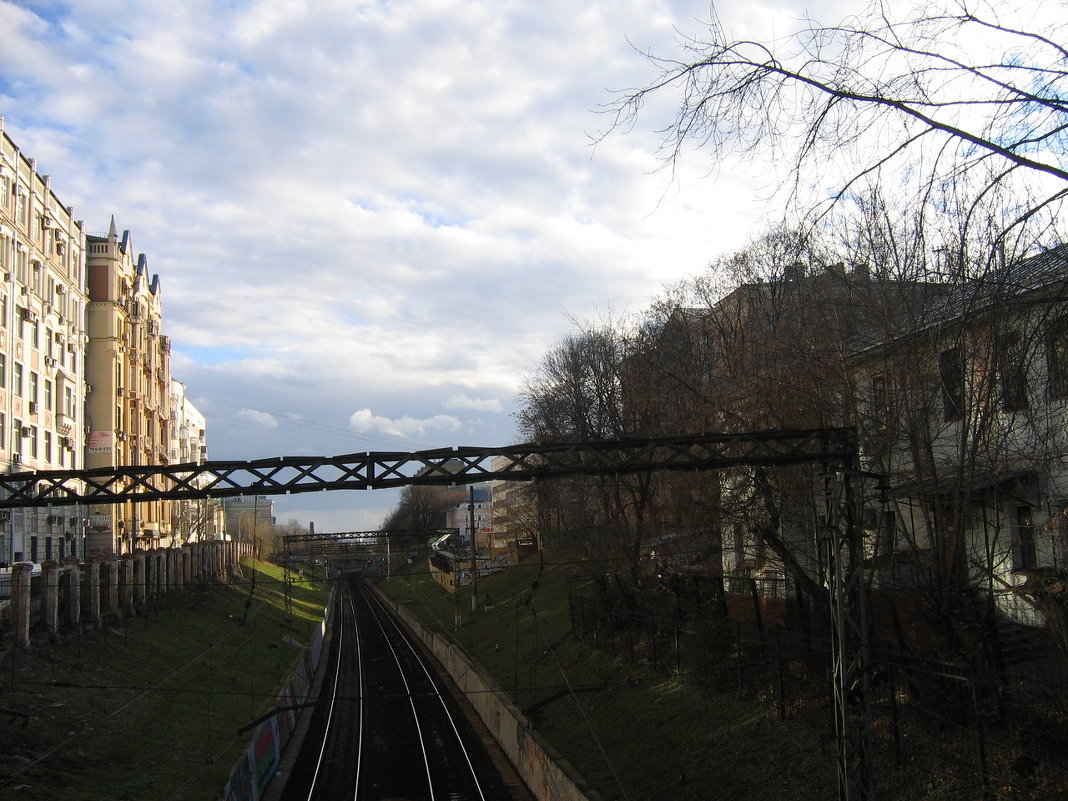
(385, 726)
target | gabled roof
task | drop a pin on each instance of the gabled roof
(1045, 274)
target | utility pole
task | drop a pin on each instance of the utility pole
(474, 550)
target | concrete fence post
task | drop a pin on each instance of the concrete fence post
(93, 612)
(113, 584)
(20, 601)
(174, 568)
(74, 586)
(50, 574)
(126, 582)
(139, 579)
(151, 573)
(159, 560)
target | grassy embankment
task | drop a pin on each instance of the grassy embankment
(148, 708)
(630, 734)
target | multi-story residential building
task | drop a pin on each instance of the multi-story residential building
(965, 415)
(188, 428)
(515, 514)
(128, 370)
(42, 342)
(247, 516)
(956, 386)
(477, 501)
(193, 520)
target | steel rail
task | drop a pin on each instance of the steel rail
(330, 712)
(403, 635)
(327, 732)
(411, 703)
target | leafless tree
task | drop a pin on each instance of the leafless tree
(957, 94)
(193, 520)
(577, 394)
(422, 508)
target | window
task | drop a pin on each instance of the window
(33, 441)
(951, 375)
(1024, 552)
(1012, 373)
(35, 332)
(3, 369)
(3, 430)
(48, 394)
(1057, 359)
(21, 264)
(880, 402)
(16, 379)
(33, 387)
(48, 446)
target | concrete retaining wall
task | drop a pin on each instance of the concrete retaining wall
(543, 770)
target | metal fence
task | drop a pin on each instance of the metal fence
(989, 721)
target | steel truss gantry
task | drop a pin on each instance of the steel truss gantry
(380, 470)
(834, 448)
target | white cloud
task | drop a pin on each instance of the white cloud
(364, 421)
(477, 404)
(259, 418)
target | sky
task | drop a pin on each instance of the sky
(371, 219)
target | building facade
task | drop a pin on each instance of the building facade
(477, 501)
(128, 396)
(42, 350)
(200, 519)
(247, 517)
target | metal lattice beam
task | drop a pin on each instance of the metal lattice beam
(357, 536)
(462, 465)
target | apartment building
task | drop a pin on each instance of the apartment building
(128, 402)
(42, 348)
(477, 503)
(200, 519)
(964, 414)
(247, 516)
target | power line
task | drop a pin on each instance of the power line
(315, 428)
